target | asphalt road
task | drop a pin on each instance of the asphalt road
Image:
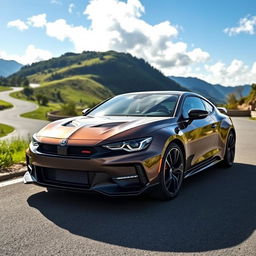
(215, 214)
(23, 126)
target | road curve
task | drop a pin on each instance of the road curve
(213, 215)
(24, 127)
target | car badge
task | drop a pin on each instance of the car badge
(64, 142)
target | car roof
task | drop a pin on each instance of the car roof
(177, 93)
(157, 92)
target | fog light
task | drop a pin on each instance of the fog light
(127, 181)
(127, 177)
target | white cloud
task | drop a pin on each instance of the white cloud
(71, 8)
(19, 24)
(57, 2)
(236, 73)
(37, 21)
(246, 25)
(117, 25)
(31, 55)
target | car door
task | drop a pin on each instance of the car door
(199, 134)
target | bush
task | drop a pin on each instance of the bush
(12, 152)
(68, 109)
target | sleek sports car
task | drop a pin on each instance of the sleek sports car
(132, 143)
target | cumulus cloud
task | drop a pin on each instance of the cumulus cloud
(246, 25)
(235, 73)
(118, 25)
(71, 8)
(19, 24)
(31, 55)
(37, 21)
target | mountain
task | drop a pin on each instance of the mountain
(8, 67)
(215, 92)
(98, 75)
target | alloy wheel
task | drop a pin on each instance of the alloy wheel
(230, 149)
(173, 170)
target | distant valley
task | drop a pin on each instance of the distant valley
(215, 92)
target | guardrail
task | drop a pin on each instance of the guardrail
(53, 116)
(236, 112)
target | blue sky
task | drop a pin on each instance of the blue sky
(213, 40)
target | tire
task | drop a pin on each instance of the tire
(171, 174)
(229, 156)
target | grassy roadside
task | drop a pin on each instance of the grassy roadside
(5, 129)
(5, 88)
(5, 105)
(253, 118)
(41, 112)
(12, 152)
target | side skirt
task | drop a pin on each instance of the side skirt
(202, 166)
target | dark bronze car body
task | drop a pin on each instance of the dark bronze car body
(70, 153)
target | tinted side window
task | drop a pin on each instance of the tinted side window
(192, 103)
(208, 106)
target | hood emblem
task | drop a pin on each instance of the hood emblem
(64, 142)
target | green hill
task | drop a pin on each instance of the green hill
(90, 77)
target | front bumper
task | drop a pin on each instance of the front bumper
(129, 174)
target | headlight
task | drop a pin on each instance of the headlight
(130, 145)
(34, 141)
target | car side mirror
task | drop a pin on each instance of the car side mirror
(223, 110)
(197, 114)
(85, 111)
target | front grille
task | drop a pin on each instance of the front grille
(63, 177)
(75, 151)
(47, 148)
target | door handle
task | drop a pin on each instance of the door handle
(214, 125)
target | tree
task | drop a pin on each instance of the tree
(232, 101)
(25, 82)
(28, 92)
(42, 99)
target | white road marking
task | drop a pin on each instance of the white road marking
(10, 182)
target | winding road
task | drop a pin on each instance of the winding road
(215, 214)
(24, 127)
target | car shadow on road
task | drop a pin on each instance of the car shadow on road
(215, 209)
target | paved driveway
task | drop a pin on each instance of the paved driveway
(23, 126)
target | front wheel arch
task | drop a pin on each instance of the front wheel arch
(181, 145)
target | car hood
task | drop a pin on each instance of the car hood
(94, 130)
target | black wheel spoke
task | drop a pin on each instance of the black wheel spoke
(173, 170)
(230, 151)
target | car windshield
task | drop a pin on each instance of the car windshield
(137, 105)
